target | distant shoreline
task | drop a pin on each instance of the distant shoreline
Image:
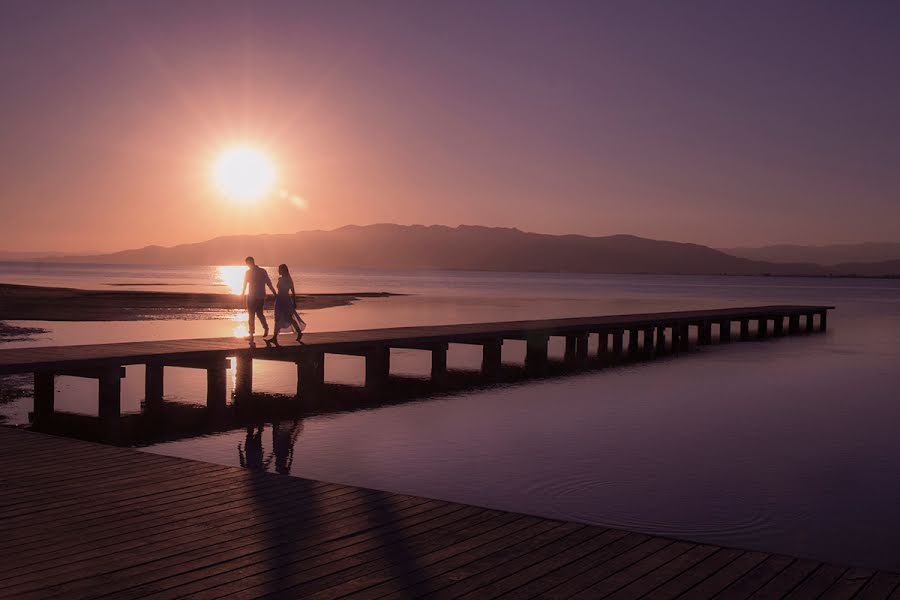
(37, 303)
(436, 270)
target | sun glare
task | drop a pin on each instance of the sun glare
(244, 174)
(231, 277)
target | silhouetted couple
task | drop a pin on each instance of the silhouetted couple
(256, 280)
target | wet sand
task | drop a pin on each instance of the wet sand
(34, 303)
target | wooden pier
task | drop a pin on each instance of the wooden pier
(80, 520)
(647, 335)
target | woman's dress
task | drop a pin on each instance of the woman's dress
(284, 306)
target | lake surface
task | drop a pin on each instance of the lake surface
(786, 445)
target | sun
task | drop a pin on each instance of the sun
(244, 173)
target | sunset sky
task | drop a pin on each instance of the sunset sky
(723, 123)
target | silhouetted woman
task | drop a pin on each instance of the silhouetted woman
(286, 316)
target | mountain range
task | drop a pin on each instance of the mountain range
(437, 247)
(869, 252)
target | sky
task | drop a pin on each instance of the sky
(722, 123)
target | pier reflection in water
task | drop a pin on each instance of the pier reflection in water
(171, 420)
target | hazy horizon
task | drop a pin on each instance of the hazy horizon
(714, 124)
(87, 252)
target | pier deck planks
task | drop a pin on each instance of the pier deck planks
(57, 358)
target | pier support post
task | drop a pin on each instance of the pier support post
(617, 344)
(44, 392)
(632, 342)
(648, 341)
(439, 363)
(571, 348)
(310, 371)
(581, 347)
(794, 324)
(745, 329)
(810, 322)
(660, 339)
(704, 333)
(602, 345)
(243, 384)
(153, 384)
(779, 326)
(823, 320)
(110, 396)
(491, 357)
(216, 387)
(685, 337)
(724, 331)
(762, 327)
(536, 353)
(378, 366)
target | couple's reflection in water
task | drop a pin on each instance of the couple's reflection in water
(252, 455)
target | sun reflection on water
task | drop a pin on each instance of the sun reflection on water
(231, 276)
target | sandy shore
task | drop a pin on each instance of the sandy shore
(23, 302)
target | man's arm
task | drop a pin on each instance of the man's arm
(269, 283)
(246, 283)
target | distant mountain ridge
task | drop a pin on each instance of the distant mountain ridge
(438, 247)
(832, 254)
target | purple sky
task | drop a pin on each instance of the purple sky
(723, 123)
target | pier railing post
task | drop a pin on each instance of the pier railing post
(44, 393)
(745, 329)
(823, 320)
(810, 322)
(762, 327)
(794, 324)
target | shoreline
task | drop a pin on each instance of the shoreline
(38, 303)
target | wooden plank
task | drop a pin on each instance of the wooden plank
(880, 586)
(817, 582)
(851, 582)
(757, 577)
(782, 584)
(722, 578)
(644, 585)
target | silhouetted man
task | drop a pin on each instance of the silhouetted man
(256, 279)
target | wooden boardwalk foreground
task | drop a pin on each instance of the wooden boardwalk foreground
(81, 520)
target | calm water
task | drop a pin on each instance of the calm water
(787, 445)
